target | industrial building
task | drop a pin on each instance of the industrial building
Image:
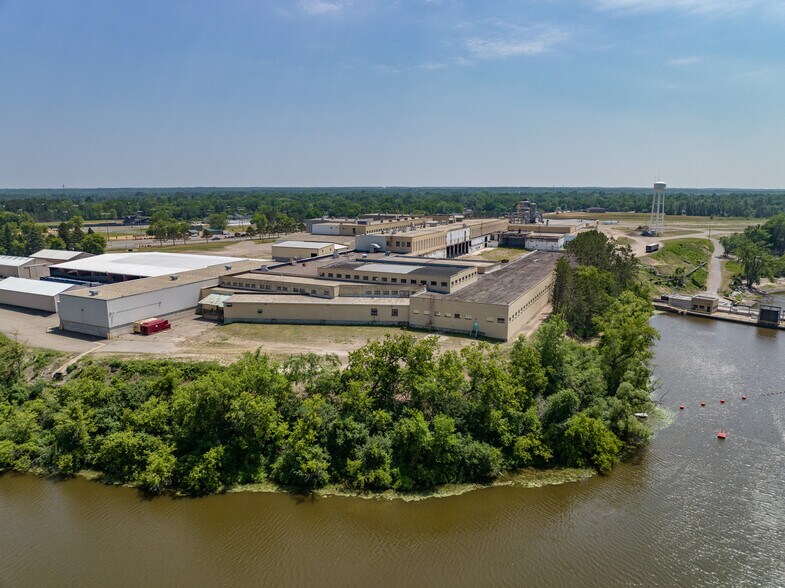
(33, 294)
(451, 296)
(367, 224)
(110, 310)
(121, 267)
(12, 266)
(440, 241)
(289, 250)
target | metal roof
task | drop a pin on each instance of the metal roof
(13, 260)
(389, 268)
(145, 265)
(37, 287)
(56, 254)
(216, 300)
(303, 244)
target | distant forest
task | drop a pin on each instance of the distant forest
(302, 203)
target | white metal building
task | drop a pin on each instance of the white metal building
(110, 310)
(120, 267)
(22, 267)
(34, 294)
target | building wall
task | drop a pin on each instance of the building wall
(280, 253)
(496, 321)
(327, 313)
(435, 282)
(326, 229)
(28, 300)
(93, 315)
(33, 271)
(543, 228)
(549, 244)
(275, 285)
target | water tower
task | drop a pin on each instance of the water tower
(657, 217)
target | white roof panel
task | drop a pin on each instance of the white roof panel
(13, 260)
(34, 286)
(389, 268)
(145, 265)
(303, 244)
(56, 254)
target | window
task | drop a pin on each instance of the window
(489, 319)
(326, 292)
(377, 292)
(437, 313)
(368, 292)
(393, 312)
(386, 292)
(259, 311)
(468, 317)
(375, 279)
(384, 279)
(313, 291)
(500, 320)
(395, 292)
(329, 275)
(229, 304)
(414, 310)
(457, 315)
(394, 280)
(426, 312)
(365, 278)
(374, 312)
(356, 277)
(337, 275)
(444, 284)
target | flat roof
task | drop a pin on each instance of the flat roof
(61, 254)
(303, 244)
(36, 287)
(303, 299)
(507, 284)
(398, 267)
(145, 264)
(13, 260)
(156, 283)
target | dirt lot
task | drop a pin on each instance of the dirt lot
(196, 338)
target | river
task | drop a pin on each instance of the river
(691, 510)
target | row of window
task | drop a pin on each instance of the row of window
(456, 315)
(523, 308)
(404, 293)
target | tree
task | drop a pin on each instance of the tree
(218, 221)
(92, 243)
(588, 442)
(756, 263)
(259, 221)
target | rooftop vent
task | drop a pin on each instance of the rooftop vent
(173, 278)
(93, 292)
(228, 267)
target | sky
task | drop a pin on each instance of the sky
(393, 93)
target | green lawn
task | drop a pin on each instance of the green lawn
(660, 267)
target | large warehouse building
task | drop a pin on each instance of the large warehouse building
(121, 267)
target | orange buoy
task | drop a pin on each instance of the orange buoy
(721, 435)
(744, 398)
(681, 407)
(703, 404)
(722, 402)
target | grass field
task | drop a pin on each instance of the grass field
(730, 267)
(500, 253)
(678, 253)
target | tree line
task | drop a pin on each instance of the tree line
(300, 204)
(20, 235)
(760, 250)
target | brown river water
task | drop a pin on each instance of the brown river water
(690, 510)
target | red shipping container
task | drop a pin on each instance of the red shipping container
(150, 327)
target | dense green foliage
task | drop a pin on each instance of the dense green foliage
(593, 274)
(19, 235)
(196, 203)
(400, 415)
(760, 250)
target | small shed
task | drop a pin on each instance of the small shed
(290, 250)
(52, 256)
(34, 294)
(12, 266)
(705, 303)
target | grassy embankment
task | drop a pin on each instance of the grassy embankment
(660, 268)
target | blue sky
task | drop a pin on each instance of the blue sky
(403, 92)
